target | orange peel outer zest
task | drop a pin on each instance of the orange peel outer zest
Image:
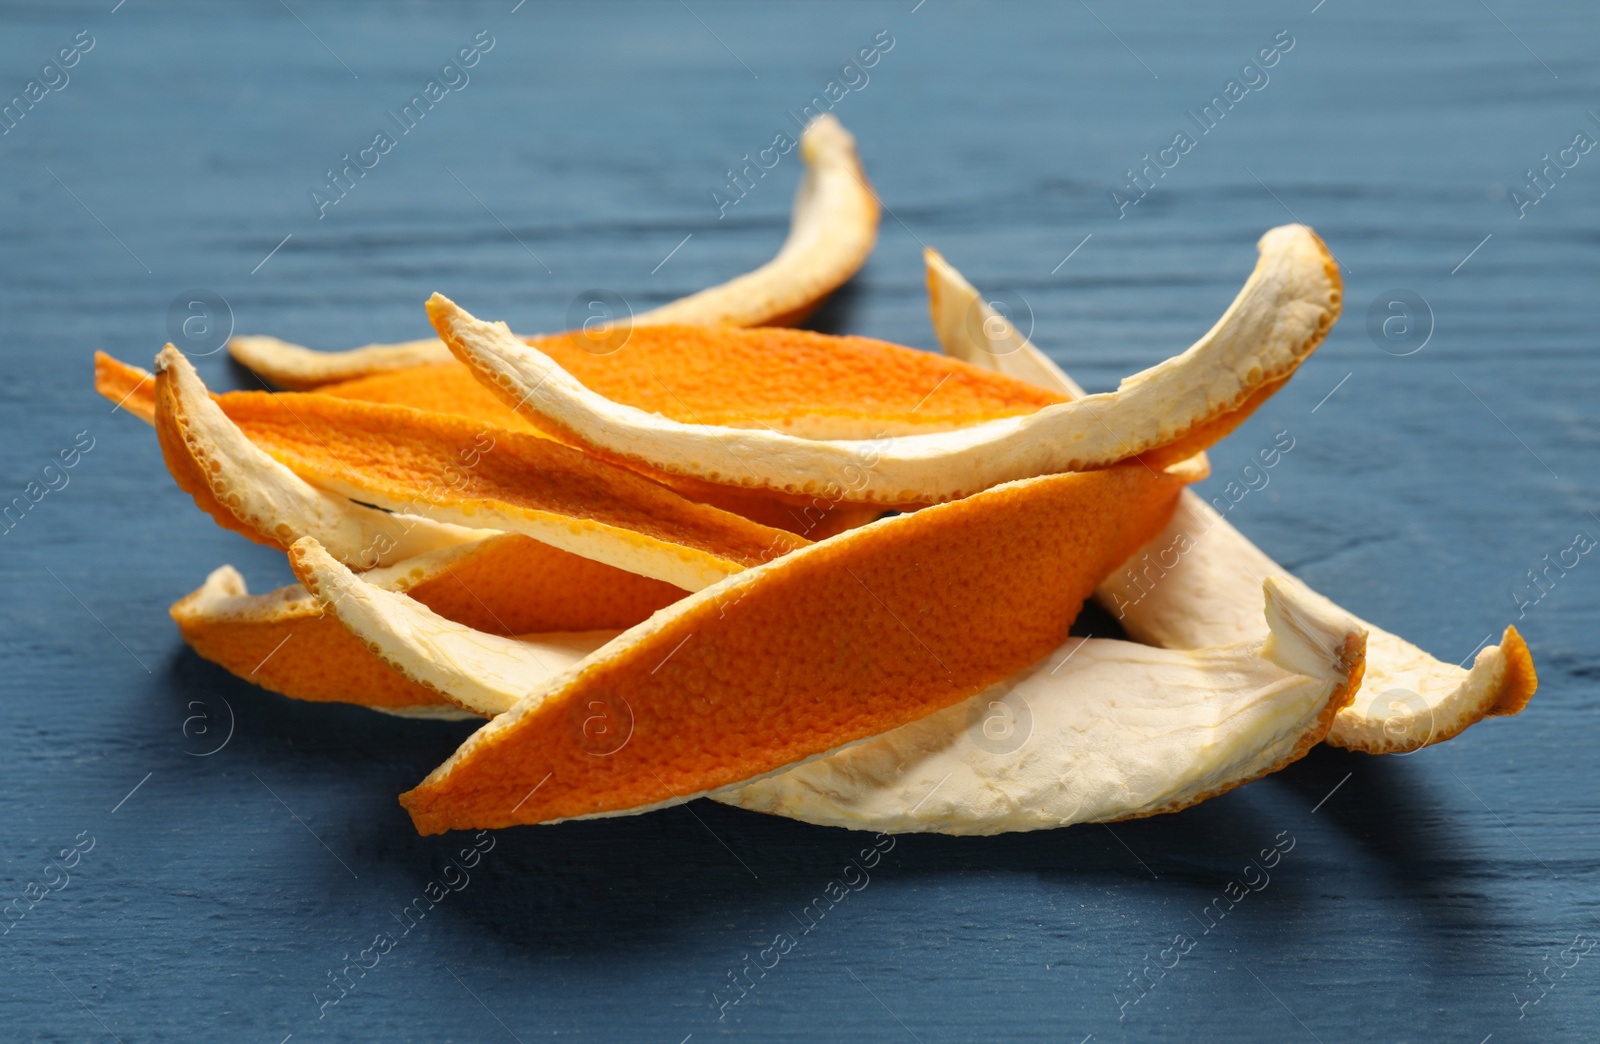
(446, 387)
(130, 387)
(451, 388)
(1521, 681)
(840, 641)
(411, 460)
(812, 384)
(817, 385)
(513, 584)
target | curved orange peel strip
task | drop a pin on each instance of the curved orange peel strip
(452, 469)
(1279, 317)
(452, 389)
(503, 585)
(248, 492)
(132, 388)
(802, 383)
(1408, 699)
(826, 646)
(283, 642)
(811, 385)
(791, 380)
(1098, 731)
(833, 229)
(495, 582)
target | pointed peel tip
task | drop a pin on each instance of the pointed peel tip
(1520, 681)
(441, 310)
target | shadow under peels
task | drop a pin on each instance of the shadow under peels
(626, 884)
(838, 314)
(320, 736)
(1383, 807)
(618, 885)
(1095, 621)
(1412, 848)
(243, 378)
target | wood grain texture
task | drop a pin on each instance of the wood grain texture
(1420, 894)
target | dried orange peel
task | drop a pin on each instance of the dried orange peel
(1408, 699)
(494, 670)
(795, 381)
(1279, 317)
(1100, 730)
(248, 492)
(316, 452)
(1109, 729)
(446, 387)
(812, 385)
(131, 388)
(570, 541)
(286, 642)
(826, 646)
(833, 229)
(283, 642)
(451, 389)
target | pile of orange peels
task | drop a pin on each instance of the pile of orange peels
(831, 578)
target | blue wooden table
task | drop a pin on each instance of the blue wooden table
(231, 851)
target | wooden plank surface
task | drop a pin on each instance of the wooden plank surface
(1423, 897)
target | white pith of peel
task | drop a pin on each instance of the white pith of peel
(1408, 699)
(224, 599)
(1279, 317)
(1113, 730)
(479, 672)
(275, 502)
(833, 228)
